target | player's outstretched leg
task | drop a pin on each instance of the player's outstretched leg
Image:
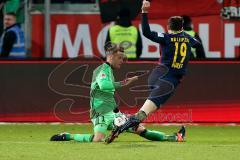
(76, 137)
(153, 135)
(157, 136)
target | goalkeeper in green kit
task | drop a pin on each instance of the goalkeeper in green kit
(103, 106)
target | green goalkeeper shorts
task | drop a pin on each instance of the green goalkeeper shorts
(104, 123)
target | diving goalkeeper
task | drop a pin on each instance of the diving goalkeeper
(103, 106)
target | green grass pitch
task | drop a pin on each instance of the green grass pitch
(31, 142)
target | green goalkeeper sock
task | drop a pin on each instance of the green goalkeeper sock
(157, 136)
(80, 137)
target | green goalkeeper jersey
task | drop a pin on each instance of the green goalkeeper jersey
(102, 91)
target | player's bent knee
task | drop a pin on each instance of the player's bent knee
(98, 137)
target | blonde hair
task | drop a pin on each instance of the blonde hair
(111, 48)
